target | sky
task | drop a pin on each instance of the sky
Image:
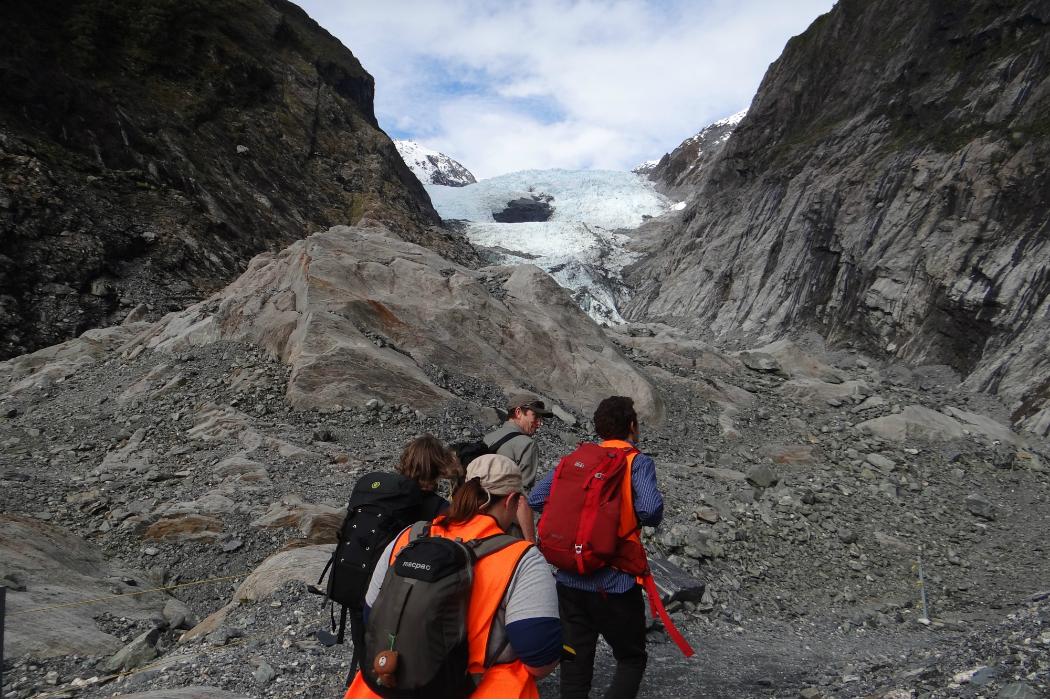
(509, 85)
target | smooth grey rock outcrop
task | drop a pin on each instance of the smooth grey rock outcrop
(45, 367)
(362, 315)
(524, 209)
(927, 424)
(58, 568)
(887, 186)
(292, 565)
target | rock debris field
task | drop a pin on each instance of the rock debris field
(804, 486)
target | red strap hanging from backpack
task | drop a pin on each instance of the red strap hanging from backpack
(657, 607)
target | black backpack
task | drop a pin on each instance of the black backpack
(382, 504)
(469, 451)
(416, 640)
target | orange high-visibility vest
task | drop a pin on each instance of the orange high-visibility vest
(492, 576)
(629, 529)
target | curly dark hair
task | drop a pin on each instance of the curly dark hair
(614, 417)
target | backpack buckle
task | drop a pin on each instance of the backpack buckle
(578, 548)
(599, 475)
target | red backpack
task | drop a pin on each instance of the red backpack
(580, 528)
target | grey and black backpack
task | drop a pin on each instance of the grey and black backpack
(382, 504)
(469, 451)
(416, 636)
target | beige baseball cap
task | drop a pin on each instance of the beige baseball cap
(499, 475)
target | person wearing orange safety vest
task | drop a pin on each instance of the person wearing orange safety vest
(609, 602)
(513, 603)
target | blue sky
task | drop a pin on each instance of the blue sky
(509, 85)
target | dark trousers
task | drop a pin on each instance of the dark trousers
(620, 619)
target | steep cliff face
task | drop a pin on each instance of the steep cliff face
(888, 186)
(149, 148)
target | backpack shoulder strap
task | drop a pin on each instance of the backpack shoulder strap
(492, 544)
(504, 440)
(419, 529)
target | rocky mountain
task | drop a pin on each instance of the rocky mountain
(148, 149)
(888, 187)
(433, 168)
(678, 172)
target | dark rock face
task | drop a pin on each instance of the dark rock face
(525, 209)
(450, 173)
(889, 186)
(679, 171)
(149, 148)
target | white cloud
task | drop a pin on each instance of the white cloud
(504, 86)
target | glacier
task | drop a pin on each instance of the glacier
(583, 245)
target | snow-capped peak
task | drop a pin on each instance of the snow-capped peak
(645, 168)
(719, 131)
(432, 167)
(732, 119)
(683, 165)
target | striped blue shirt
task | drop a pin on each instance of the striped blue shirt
(648, 506)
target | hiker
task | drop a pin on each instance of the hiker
(525, 414)
(512, 629)
(606, 601)
(425, 460)
(381, 505)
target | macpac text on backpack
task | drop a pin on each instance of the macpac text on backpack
(420, 616)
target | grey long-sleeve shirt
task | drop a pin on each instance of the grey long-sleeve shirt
(523, 450)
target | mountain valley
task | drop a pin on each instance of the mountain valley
(831, 311)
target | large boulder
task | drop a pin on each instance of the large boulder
(672, 346)
(796, 363)
(817, 391)
(360, 314)
(925, 423)
(300, 564)
(55, 569)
